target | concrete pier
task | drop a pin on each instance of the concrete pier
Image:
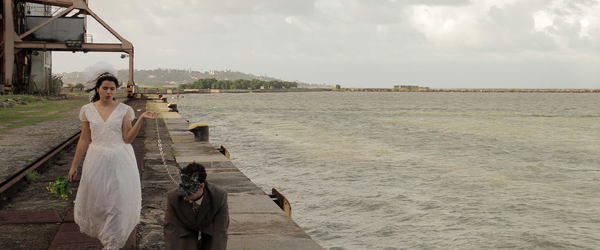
(256, 221)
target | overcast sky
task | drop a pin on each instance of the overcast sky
(360, 43)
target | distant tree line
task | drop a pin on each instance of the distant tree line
(172, 77)
(77, 86)
(212, 83)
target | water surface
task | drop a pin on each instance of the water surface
(420, 170)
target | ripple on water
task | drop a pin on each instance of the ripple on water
(421, 170)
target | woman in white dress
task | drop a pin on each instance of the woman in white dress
(109, 198)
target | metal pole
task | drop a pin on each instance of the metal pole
(9, 46)
(131, 67)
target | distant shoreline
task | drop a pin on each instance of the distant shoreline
(150, 90)
(471, 90)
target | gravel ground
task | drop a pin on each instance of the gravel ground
(35, 197)
(18, 148)
(22, 145)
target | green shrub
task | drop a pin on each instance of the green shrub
(33, 176)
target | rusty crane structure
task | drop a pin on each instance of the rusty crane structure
(28, 34)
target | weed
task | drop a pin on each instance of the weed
(33, 176)
(10, 206)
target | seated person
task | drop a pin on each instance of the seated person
(196, 207)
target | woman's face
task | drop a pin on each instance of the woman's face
(107, 90)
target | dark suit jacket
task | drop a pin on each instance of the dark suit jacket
(212, 219)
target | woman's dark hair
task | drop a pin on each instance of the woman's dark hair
(104, 77)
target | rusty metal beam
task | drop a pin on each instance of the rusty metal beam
(106, 26)
(59, 3)
(98, 47)
(75, 4)
(130, 82)
(13, 42)
(9, 48)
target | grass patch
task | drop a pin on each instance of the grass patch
(37, 110)
(26, 98)
(33, 176)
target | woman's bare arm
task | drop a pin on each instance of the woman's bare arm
(82, 146)
(130, 132)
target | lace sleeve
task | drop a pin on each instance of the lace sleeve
(130, 115)
(82, 115)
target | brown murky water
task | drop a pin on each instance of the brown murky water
(420, 170)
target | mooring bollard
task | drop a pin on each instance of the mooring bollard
(200, 131)
(160, 96)
(163, 99)
(172, 107)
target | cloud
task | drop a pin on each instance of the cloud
(237, 7)
(283, 37)
(439, 2)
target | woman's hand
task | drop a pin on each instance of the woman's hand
(72, 174)
(148, 115)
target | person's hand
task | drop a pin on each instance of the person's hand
(148, 115)
(72, 174)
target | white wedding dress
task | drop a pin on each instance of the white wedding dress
(109, 197)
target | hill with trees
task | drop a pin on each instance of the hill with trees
(176, 77)
(212, 83)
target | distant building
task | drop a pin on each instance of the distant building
(409, 87)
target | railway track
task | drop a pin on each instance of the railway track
(17, 181)
(14, 183)
(31, 217)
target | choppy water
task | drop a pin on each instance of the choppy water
(420, 170)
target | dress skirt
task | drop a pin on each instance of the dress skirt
(108, 201)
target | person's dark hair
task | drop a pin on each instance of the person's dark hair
(192, 177)
(194, 167)
(104, 77)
